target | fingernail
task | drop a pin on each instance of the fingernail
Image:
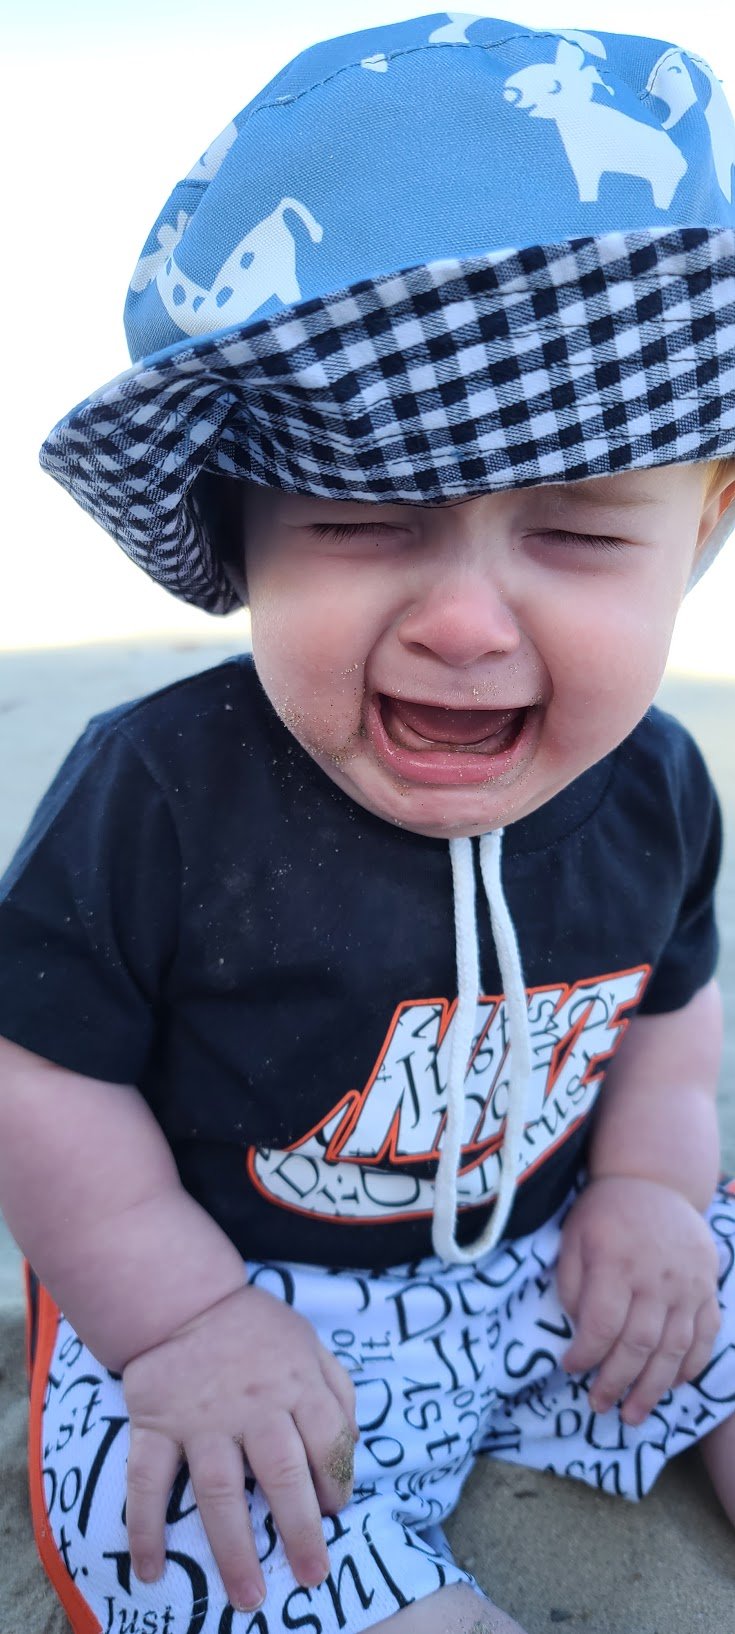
(316, 1571)
(147, 1571)
(252, 1600)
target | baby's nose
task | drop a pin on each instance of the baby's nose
(460, 624)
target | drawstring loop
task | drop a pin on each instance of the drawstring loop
(462, 1041)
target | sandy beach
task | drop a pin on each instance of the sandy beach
(553, 1553)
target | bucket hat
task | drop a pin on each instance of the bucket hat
(432, 259)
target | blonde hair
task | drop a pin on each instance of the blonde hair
(717, 475)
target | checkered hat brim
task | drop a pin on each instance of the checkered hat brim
(534, 365)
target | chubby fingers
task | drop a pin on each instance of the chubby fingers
(275, 1451)
(342, 1387)
(330, 1447)
(706, 1328)
(304, 1461)
(153, 1460)
(684, 1349)
(217, 1476)
(276, 1454)
(647, 1366)
(646, 1357)
(601, 1312)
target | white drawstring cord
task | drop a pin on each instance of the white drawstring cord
(463, 1031)
(519, 1031)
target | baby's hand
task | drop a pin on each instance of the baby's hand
(247, 1377)
(638, 1275)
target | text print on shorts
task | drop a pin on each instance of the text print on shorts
(447, 1362)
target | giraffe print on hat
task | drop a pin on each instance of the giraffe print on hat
(671, 82)
(262, 266)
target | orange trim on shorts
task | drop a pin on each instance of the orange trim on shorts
(81, 1617)
(27, 1274)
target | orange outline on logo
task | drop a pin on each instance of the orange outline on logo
(475, 1152)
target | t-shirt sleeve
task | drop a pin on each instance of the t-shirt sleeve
(88, 913)
(689, 958)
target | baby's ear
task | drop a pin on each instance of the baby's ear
(714, 507)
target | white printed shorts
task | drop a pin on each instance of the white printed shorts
(447, 1363)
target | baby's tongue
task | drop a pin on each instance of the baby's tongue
(445, 725)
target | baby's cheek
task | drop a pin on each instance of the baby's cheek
(598, 699)
(620, 657)
(322, 713)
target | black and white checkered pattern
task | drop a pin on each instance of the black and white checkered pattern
(543, 364)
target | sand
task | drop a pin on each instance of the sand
(555, 1554)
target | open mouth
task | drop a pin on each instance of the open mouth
(462, 731)
(431, 743)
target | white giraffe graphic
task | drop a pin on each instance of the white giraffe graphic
(671, 81)
(596, 139)
(263, 265)
(148, 265)
(207, 167)
(577, 36)
(455, 31)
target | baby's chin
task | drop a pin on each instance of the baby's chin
(435, 813)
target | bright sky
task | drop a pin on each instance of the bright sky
(107, 103)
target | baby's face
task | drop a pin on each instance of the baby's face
(454, 667)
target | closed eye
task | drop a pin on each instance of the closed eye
(349, 530)
(364, 538)
(595, 541)
(340, 531)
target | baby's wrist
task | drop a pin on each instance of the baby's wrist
(692, 1194)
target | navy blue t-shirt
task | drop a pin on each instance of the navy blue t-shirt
(198, 910)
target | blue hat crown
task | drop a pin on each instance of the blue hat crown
(443, 137)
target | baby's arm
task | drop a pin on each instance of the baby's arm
(89, 1187)
(638, 1268)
